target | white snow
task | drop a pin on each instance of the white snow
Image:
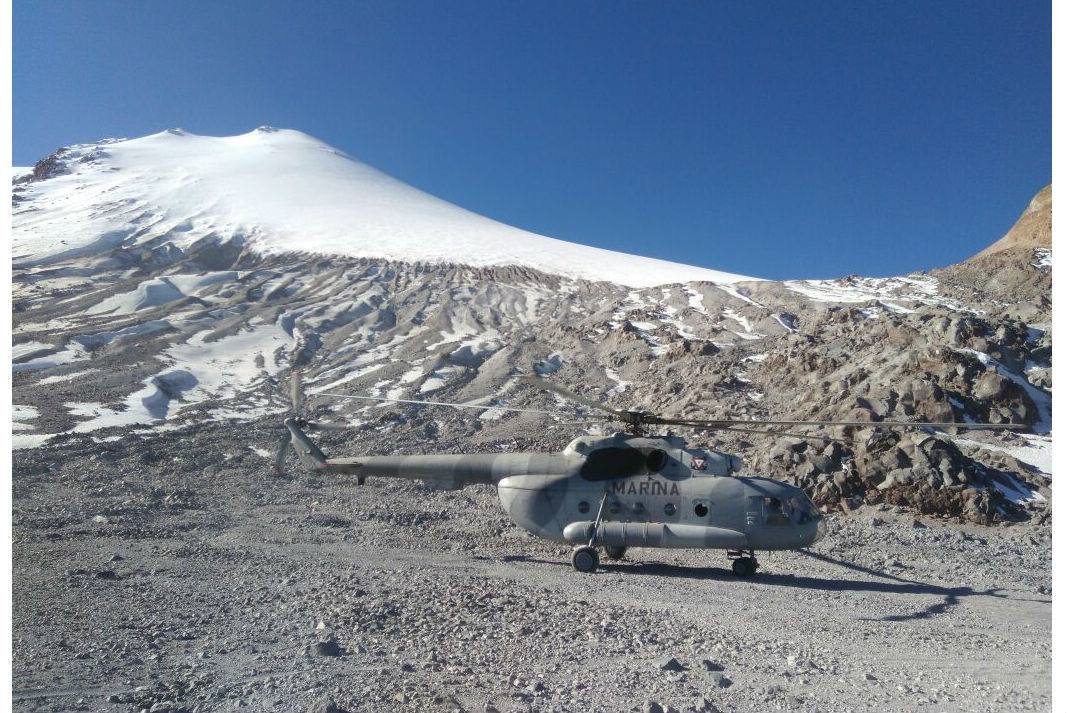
(1043, 258)
(21, 441)
(150, 293)
(739, 294)
(740, 319)
(284, 191)
(1037, 451)
(621, 385)
(159, 291)
(20, 413)
(696, 300)
(1043, 400)
(1014, 490)
(20, 350)
(74, 352)
(780, 320)
(65, 377)
(884, 290)
(101, 338)
(550, 364)
(225, 367)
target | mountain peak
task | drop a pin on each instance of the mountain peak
(280, 190)
(1033, 229)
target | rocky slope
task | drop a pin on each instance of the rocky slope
(170, 318)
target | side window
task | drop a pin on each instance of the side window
(583, 507)
(700, 510)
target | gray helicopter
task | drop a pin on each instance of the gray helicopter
(626, 490)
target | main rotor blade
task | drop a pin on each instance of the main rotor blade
(808, 436)
(327, 426)
(296, 391)
(859, 424)
(512, 409)
(568, 394)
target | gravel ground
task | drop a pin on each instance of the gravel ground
(146, 580)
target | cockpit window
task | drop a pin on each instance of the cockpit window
(656, 460)
(775, 512)
(612, 463)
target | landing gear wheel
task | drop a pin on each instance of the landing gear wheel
(744, 566)
(615, 553)
(584, 559)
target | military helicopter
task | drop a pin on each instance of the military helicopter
(626, 490)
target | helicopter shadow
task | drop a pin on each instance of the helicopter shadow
(874, 581)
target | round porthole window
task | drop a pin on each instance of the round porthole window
(700, 510)
(656, 460)
(669, 509)
(639, 508)
(583, 507)
(613, 507)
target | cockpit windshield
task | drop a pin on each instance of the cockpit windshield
(802, 510)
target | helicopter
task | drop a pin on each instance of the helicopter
(629, 489)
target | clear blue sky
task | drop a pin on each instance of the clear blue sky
(772, 139)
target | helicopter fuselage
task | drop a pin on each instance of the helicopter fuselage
(654, 492)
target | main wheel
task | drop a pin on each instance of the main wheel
(584, 559)
(744, 566)
(615, 553)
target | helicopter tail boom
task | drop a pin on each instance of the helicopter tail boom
(450, 471)
(308, 452)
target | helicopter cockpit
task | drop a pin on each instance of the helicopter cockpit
(795, 510)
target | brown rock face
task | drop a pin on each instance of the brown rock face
(1033, 229)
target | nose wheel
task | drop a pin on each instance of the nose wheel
(743, 565)
(584, 559)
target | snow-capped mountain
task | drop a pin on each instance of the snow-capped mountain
(165, 285)
(283, 191)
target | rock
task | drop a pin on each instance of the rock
(670, 663)
(719, 680)
(653, 707)
(327, 647)
(703, 705)
(325, 705)
(710, 665)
